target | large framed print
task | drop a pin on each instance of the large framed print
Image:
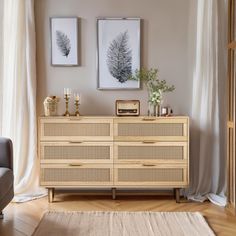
(64, 41)
(118, 56)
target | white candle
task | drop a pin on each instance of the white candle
(68, 91)
(77, 96)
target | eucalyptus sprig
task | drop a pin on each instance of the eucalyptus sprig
(155, 86)
(145, 75)
(150, 78)
(162, 85)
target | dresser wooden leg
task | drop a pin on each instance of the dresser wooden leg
(1, 215)
(113, 193)
(177, 195)
(50, 194)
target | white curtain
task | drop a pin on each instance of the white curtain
(19, 95)
(208, 115)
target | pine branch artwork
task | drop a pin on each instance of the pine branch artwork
(119, 58)
(63, 43)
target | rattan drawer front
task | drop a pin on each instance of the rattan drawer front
(147, 174)
(150, 129)
(60, 175)
(83, 129)
(61, 129)
(162, 129)
(85, 152)
(158, 151)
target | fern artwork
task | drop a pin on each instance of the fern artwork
(118, 54)
(63, 43)
(119, 58)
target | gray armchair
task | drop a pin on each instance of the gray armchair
(6, 173)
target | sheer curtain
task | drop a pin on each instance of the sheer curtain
(208, 152)
(19, 95)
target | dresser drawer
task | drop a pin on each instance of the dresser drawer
(82, 129)
(150, 175)
(76, 175)
(158, 152)
(76, 152)
(158, 129)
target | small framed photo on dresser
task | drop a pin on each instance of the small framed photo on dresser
(64, 41)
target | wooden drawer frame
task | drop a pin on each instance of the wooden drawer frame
(166, 120)
(82, 161)
(76, 121)
(170, 184)
(77, 183)
(151, 144)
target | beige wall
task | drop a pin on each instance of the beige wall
(164, 45)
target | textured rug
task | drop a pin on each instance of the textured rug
(123, 224)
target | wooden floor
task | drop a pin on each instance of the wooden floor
(21, 219)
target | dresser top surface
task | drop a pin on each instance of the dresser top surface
(113, 117)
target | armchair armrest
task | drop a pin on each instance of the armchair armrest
(6, 153)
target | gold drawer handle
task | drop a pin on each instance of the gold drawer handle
(75, 142)
(147, 141)
(149, 165)
(75, 164)
(149, 119)
(74, 119)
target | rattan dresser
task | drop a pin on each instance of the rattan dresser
(113, 152)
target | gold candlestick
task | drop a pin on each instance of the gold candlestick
(77, 103)
(77, 108)
(67, 98)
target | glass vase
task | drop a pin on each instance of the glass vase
(154, 109)
(157, 110)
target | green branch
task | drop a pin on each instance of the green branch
(155, 86)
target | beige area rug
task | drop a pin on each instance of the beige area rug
(122, 224)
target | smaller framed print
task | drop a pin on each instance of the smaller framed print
(118, 51)
(64, 41)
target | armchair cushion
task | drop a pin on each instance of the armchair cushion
(6, 180)
(6, 153)
(6, 172)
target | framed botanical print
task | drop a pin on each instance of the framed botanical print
(118, 52)
(64, 41)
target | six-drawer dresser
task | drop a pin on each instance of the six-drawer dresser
(114, 152)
